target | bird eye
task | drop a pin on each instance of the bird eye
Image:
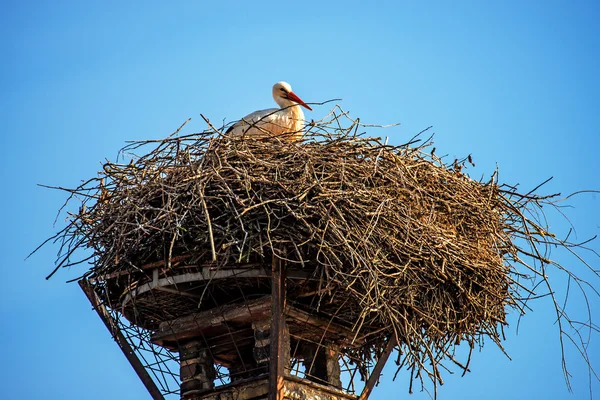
(283, 90)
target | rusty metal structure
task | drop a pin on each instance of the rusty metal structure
(268, 343)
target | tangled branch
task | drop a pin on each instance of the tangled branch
(403, 244)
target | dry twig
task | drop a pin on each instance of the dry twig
(411, 246)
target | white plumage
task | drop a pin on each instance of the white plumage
(286, 121)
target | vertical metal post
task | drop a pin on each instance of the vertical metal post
(277, 356)
(120, 339)
(374, 377)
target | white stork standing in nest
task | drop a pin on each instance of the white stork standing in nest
(286, 121)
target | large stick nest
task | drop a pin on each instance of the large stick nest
(409, 243)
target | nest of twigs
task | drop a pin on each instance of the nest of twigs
(414, 247)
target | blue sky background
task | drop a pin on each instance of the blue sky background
(515, 83)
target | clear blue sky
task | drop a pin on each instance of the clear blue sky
(515, 83)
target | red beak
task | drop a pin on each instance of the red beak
(292, 96)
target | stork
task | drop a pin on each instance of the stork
(286, 121)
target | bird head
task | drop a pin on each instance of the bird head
(283, 95)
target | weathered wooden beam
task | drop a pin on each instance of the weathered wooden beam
(116, 333)
(277, 357)
(192, 326)
(326, 325)
(374, 377)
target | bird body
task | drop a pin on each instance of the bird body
(286, 122)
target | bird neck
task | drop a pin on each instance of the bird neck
(295, 113)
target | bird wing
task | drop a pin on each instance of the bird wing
(271, 120)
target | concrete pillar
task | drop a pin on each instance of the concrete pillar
(334, 373)
(196, 369)
(321, 363)
(262, 343)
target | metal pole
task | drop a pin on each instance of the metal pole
(116, 333)
(374, 377)
(277, 358)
